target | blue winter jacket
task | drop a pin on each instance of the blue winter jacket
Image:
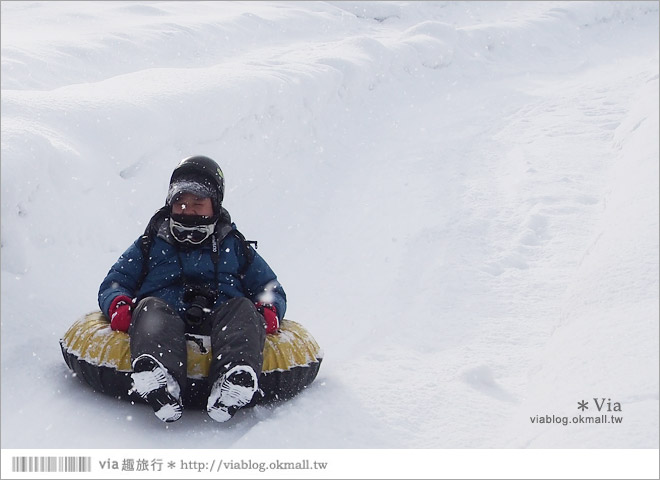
(170, 265)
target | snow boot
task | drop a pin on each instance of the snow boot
(232, 391)
(153, 383)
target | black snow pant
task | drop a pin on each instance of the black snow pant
(236, 328)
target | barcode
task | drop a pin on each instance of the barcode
(51, 464)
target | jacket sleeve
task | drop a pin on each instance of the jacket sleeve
(261, 284)
(122, 278)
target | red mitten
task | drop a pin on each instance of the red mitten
(270, 315)
(120, 313)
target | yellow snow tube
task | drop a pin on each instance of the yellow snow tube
(101, 357)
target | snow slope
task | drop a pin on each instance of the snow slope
(460, 198)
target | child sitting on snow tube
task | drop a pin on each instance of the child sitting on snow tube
(192, 272)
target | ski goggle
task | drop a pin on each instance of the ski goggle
(193, 229)
(200, 189)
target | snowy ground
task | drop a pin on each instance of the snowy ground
(460, 198)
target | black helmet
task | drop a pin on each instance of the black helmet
(199, 175)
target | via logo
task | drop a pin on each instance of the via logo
(602, 404)
(609, 406)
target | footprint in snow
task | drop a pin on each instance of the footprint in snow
(481, 379)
